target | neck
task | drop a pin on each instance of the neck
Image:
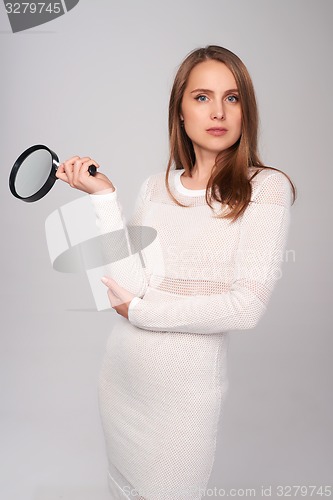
(202, 168)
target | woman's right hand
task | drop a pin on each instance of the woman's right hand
(75, 172)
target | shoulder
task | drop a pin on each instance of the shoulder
(270, 186)
(150, 183)
(157, 179)
(150, 179)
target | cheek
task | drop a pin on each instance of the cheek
(193, 120)
(193, 113)
(238, 122)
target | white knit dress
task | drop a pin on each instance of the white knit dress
(164, 375)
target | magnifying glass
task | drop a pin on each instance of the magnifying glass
(34, 173)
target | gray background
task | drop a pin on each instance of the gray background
(96, 82)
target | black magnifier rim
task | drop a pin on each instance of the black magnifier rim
(49, 182)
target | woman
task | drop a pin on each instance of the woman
(221, 219)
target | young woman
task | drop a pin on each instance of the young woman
(221, 219)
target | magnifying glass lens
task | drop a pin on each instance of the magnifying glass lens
(33, 173)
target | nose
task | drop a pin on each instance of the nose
(217, 112)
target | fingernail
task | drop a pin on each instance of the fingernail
(105, 280)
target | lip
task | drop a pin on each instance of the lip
(217, 131)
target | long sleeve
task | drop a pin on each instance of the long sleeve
(262, 239)
(124, 263)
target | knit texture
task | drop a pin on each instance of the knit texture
(164, 376)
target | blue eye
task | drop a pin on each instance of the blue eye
(198, 98)
(236, 98)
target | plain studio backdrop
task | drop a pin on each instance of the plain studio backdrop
(96, 81)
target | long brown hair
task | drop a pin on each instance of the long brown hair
(229, 178)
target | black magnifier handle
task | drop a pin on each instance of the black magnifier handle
(91, 169)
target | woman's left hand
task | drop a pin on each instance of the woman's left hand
(119, 297)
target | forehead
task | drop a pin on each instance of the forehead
(212, 75)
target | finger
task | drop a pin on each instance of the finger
(81, 169)
(77, 158)
(81, 160)
(62, 176)
(72, 160)
(68, 168)
(114, 300)
(87, 164)
(60, 173)
(85, 158)
(77, 169)
(112, 286)
(72, 168)
(117, 290)
(109, 282)
(75, 164)
(61, 168)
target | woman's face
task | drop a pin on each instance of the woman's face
(211, 109)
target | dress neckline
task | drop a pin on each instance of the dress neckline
(182, 189)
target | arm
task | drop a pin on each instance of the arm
(125, 266)
(263, 234)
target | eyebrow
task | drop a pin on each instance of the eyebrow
(212, 92)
